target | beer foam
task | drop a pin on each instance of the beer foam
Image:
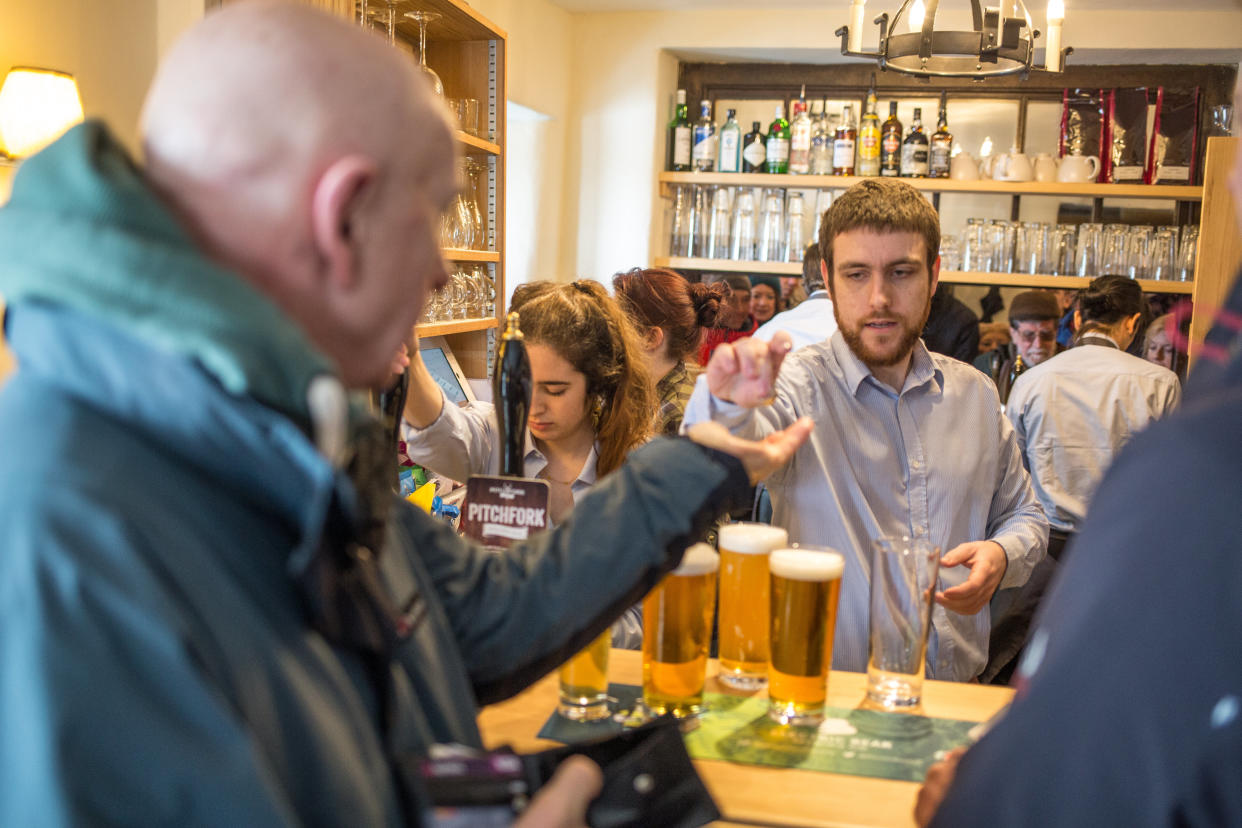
(699, 559)
(807, 564)
(752, 538)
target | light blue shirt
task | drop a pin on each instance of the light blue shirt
(1074, 412)
(809, 322)
(937, 459)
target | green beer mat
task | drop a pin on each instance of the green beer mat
(738, 729)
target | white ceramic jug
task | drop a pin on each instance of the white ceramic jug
(962, 167)
(1012, 166)
(1078, 168)
(1045, 167)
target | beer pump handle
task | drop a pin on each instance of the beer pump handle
(512, 392)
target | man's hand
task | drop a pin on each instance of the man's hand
(987, 563)
(760, 458)
(562, 803)
(935, 786)
(744, 372)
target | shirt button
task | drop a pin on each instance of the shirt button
(915, 464)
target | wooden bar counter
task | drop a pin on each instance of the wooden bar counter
(755, 795)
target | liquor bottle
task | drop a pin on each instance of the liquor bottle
(703, 156)
(678, 155)
(512, 391)
(914, 149)
(843, 143)
(800, 137)
(941, 145)
(1017, 370)
(754, 149)
(821, 144)
(778, 142)
(869, 138)
(890, 143)
(729, 148)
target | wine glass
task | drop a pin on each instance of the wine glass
(473, 168)
(423, 18)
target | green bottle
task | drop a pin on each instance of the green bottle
(778, 142)
(677, 158)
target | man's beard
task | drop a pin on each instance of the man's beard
(873, 359)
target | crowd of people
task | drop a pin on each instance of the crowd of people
(227, 616)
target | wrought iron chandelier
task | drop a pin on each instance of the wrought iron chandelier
(1002, 41)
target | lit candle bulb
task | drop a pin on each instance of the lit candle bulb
(1052, 49)
(857, 16)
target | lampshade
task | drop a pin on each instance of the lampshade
(36, 106)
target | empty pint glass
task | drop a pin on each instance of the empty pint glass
(584, 682)
(743, 624)
(677, 632)
(903, 580)
(806, 585)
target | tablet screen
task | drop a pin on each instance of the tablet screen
(442, 372)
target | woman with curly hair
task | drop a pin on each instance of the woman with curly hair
(670, 314)
(591, 402)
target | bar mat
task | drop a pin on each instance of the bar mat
(738, 729)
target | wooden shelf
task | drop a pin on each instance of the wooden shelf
(456, 326)
(455, 255)
(473, 145)
(1028, 280)
(942, 185)
(729, 266)
(953, 276)
(458, 22)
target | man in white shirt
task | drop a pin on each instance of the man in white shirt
(905, 443)
(811, 320)
(1074, 412)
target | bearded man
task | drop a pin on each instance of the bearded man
(906, 442)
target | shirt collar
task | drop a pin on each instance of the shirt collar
(535, 462)
(922, 369)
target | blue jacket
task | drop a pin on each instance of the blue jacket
(163, 503)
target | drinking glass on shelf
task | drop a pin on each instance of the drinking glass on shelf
(1032, 247)
(1001, 238)
(1162, 254)
(1114, 249)
(422, 18)
(771, 228)
(1187, 252)
(473, 168)
(1060, 254)
(679, 242)
(976, 247)
(950, 253)
(1087, 252)
(1137, 251)
(487, 290)
(793, 228)
(718, 225)
(742, 236)
(696, 242)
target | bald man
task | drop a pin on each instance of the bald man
(211, 608)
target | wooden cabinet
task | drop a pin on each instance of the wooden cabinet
(1219, 253)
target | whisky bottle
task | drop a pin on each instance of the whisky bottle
(890, 143)
(843, 144)
(869, 138)
(941, 145)
(914, 149)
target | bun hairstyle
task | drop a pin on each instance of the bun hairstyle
(661, 298)
(1109, 299)
(589, 330)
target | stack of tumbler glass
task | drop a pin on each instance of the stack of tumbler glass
(1090, 249)
(468, 295)
(746, 224)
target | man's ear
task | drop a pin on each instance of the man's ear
(334, 212)
(935, 275)
(823, 271)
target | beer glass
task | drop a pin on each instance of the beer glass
(806, 585)
(742, 236)
(1087, 255)
(677, 632)
(903, 580)
(1162, 254)
(718, 226)
(743, 624)
(1032, 247)
(772, 226)
(584, 682)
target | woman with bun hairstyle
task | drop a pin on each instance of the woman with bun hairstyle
(670, 314)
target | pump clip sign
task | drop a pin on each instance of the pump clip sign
(500, 510)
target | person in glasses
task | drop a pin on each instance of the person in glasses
(1033, 316)
(215, 611)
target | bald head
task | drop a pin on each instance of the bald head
(292, 143)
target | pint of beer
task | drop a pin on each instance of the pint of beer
(677, 631)
(806, 584)
(743, 646)
(584, 682)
